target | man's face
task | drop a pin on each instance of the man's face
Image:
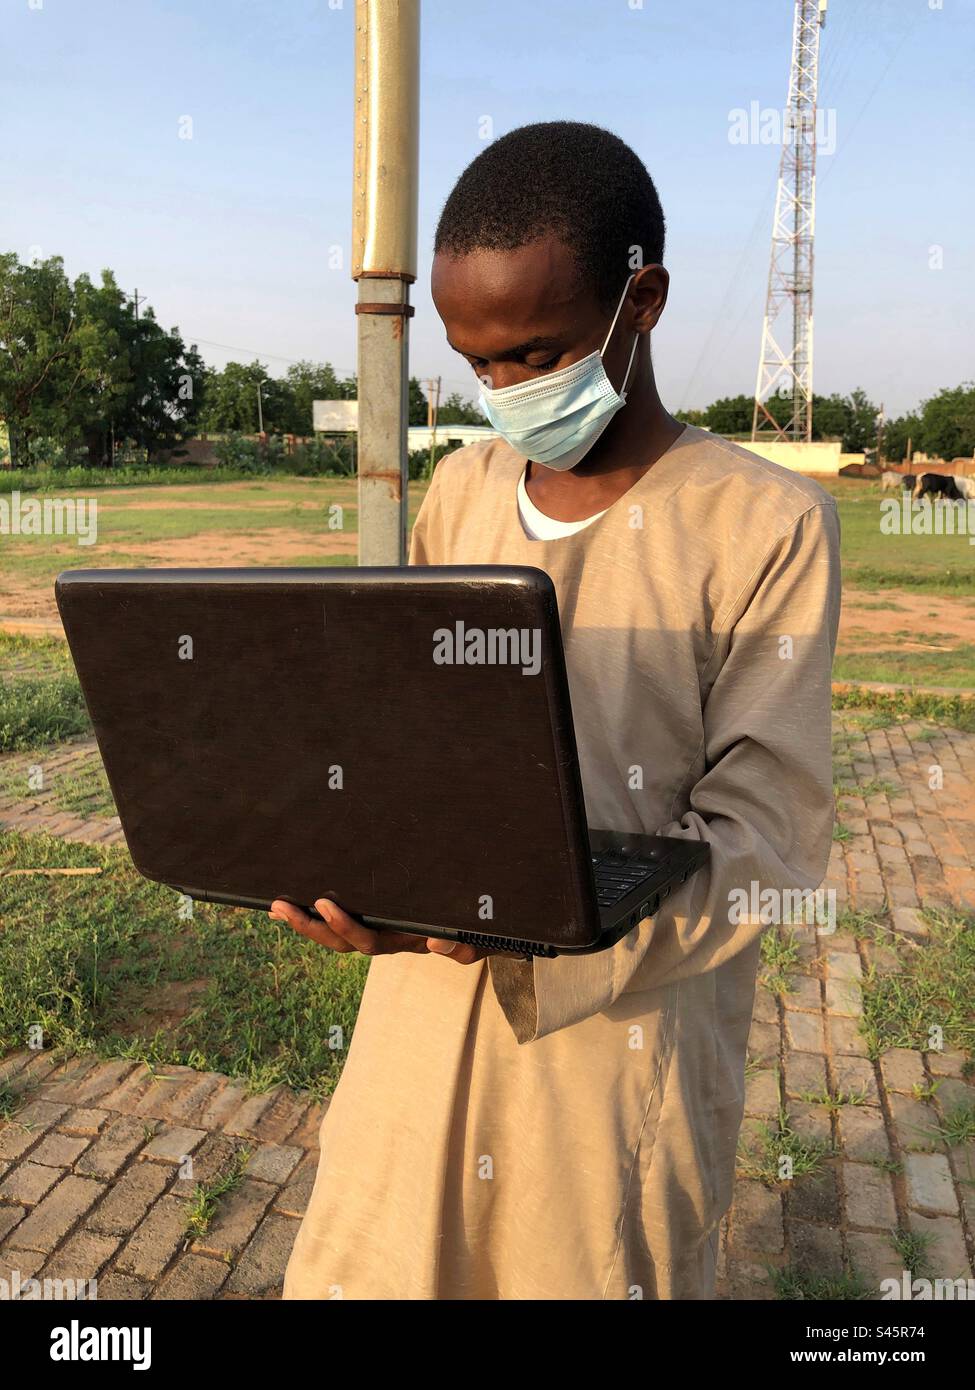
(517, 315)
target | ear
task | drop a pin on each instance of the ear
(648, 296)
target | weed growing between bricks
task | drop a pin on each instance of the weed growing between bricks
(114, 969)
(937, 987)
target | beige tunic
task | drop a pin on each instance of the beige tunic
(566, 1129)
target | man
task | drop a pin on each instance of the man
(566, 1128)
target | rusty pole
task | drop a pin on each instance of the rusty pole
(387, 49)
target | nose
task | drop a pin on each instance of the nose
(503, 374)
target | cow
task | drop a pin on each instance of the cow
(936, 485)
(889, 478)
(966, 486)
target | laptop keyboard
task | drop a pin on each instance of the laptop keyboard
(616, 877)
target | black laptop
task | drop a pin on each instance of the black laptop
(399, 740)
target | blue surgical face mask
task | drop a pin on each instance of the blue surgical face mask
(556, 419)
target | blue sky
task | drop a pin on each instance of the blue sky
(228, 233)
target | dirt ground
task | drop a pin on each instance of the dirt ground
(873, 620)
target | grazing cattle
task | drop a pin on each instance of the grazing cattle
(936, 485)
(889, 478)
(966, 486)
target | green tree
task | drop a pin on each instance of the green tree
(456, 411)
(313, 381)
(948, 423)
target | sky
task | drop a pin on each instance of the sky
(229, 234)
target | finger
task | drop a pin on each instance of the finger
(459, 951)
(366, 939)
(307, 926)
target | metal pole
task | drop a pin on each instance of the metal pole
(260, 409)
(387, 48)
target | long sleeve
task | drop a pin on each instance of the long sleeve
(763, 801)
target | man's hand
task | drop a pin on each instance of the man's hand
(340, 932)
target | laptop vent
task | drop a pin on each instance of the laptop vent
(505, 943)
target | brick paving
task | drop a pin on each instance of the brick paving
(98, 1166)
(32, 811)
(909, 816)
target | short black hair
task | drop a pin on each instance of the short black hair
(577, 180)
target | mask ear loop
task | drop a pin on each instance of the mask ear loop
(636, 339)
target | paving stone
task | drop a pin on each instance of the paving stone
(193, 1278)
(873, 1257)
(81, 1257)
(946, 1063)
(120, 1288)
(83, 1121)
(155, 1240)
(129, 1199)
(805, 1074)
(915, 1123)
(855, 1076)
(157, 1099)
(951, 1096)
(53, 1218)
(748, 1280)
(246, 1116)
(274, 1163)
(28, 1126)
(9, 1218)
(844, 965)
(929, 1184)
(130, 1091)
(804, 1031)
(909, 921)
(28, 1182)
(763, 1046)
(869, 1197)
(103, 1080)
(58, 1150)
(945, 1250)
(17, 1266)
(237, 1218)
(110, 1153)
(844, 997)
(815, 1198)
(816, 1250)
(766, 1008)
(902, 1070)
(845, 1038)
(806, 993)
(260, 1270)
(66, 1083)
(187, 1104)
(811, 1122)
(762, 1093)
(213, 1159)
(863, 1134)
(294, 1199)
(222, 1107)
(756, 1218)
(174, 1145)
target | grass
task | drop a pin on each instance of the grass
(834, 1103)
(780, 959)
(899, 1010)
(953, 669)
(958, 1126)
(792, 1284)
(40, 699)
(207, 1197)
(913, 1250)
(107, 965)
(778, 1142)
(952, 710)
(873, 561)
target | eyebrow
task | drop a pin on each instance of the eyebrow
(520, 350)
